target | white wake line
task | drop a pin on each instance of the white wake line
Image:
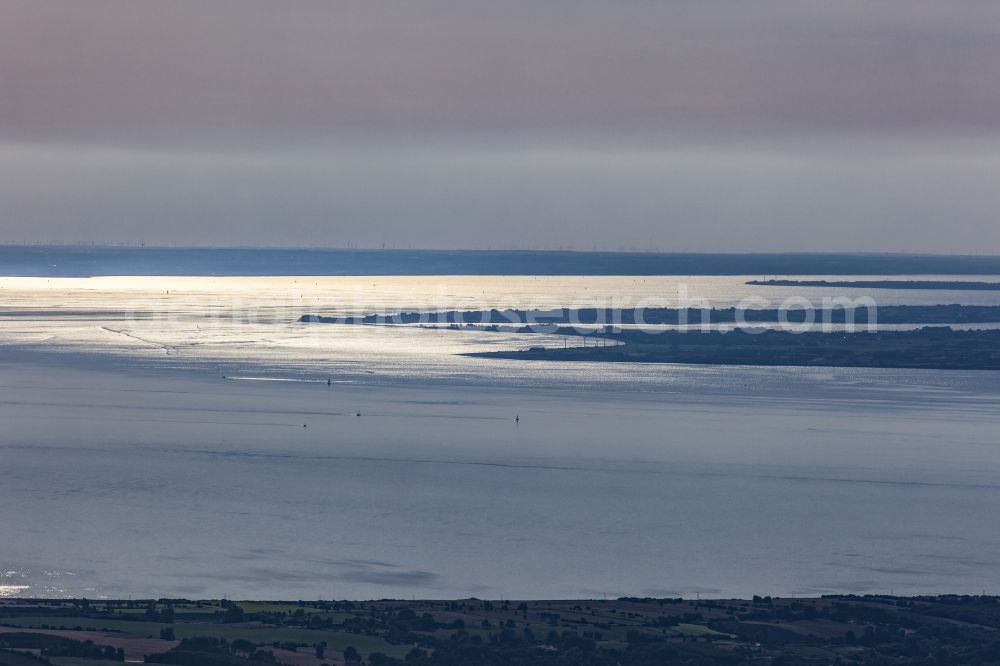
(168, 350)
(287, 379)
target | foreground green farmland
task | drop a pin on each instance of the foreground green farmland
(630, 632)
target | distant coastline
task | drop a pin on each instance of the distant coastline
(937, 348)
(930, 347)
(952, 285)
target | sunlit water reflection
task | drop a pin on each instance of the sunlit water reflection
(178, 437)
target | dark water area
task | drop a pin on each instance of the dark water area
(90, 261)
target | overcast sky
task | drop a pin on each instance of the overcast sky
(700, 125)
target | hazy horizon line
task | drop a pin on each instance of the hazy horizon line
(596, 250)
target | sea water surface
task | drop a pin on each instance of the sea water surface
(187, 436)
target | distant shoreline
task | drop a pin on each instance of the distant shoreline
(742, 340)
(937, 348)
(952, 285)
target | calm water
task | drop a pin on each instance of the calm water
(153, 444)
(87, 261)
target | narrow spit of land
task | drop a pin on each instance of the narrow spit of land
(955, 285)
(625, 631)
(930, 347)
(938, 348)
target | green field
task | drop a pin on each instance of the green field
(622, 632)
